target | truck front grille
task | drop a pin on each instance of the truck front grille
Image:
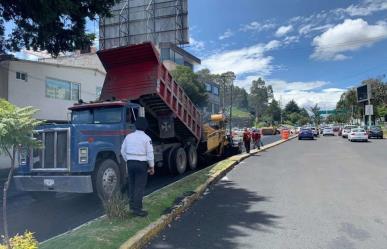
(55, 153)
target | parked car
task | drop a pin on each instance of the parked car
(358, 134)
(305, 133)
(375, 131)
(346, 130)
(315, 131)
(328, 131)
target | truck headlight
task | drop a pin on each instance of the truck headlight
(83, 155)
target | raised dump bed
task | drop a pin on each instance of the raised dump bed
(136, 73)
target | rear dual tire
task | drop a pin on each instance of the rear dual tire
(181, 159)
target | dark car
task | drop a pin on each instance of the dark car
(305, 133)
(375, 131)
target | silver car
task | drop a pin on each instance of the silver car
(347, 130)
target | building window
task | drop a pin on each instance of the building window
(165, 54)
(60, 89)
(21, 76)
(208, 87)
(98, 91)
(215, 90)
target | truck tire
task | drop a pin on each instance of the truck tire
(178, 164)
(192, 156)
(107, 179)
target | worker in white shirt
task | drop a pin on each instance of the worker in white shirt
(137, 151)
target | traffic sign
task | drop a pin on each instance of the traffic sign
(369, 110)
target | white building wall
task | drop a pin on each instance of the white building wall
(33, 92)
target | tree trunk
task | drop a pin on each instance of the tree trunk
(5, 193)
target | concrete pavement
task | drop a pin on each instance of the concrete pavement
(327, 193)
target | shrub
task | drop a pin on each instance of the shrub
(25, 241)
(117, 207)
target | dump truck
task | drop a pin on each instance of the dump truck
(84, 155)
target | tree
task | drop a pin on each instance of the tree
(316, 114)
(291, 107)
(259, 97)
(55, 25)
(274, 111)
(188, 80)
(16, 128)
(240, 98)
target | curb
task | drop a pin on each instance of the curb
(141, 238)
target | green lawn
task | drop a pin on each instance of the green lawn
(104, 233)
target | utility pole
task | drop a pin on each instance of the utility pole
(232, 93)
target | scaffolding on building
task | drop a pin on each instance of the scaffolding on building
(136, 21)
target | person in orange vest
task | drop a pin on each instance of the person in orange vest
(247, 139)
(257, 139)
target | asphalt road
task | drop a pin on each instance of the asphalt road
(328, 194)
(53, 216)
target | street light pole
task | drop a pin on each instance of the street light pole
(232, 93)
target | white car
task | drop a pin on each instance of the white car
(346, 130)
(358, 134)
(315, 131)
(328, 131)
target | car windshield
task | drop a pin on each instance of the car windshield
(376, 128)
(358, 130)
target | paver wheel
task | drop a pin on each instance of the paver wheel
(192, 156)
(107, 179)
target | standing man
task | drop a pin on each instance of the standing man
(247, 139)
(137, 151)
(257, 139)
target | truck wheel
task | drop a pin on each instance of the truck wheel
(107, 179)
(178, 163)
(42, 195)
(192, 155)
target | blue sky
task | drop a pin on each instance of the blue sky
(309, 50)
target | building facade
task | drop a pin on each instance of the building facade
(212, 90)
(51, 88)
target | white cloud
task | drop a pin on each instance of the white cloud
(226, 35)
(196, 45)
(256, 26)
(283, 30)
(350, 35)
(306, 94)
(304, 30)
(366, 8)
(242, 61)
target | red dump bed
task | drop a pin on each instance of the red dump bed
(136, 73)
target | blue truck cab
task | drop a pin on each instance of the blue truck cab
(82, 156)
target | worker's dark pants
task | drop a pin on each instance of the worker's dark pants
(247, 146)
(137, 178)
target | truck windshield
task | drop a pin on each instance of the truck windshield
(97, 116)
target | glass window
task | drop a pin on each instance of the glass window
(165, 55)
(21, 76)
(215, 90)
(59, 89)
(179, 59)
(75, 90)
(208, 87)
(107, 116)
(82, 117)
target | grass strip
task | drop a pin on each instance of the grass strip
(105, 234)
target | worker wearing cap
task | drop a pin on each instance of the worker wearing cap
(137, 151)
